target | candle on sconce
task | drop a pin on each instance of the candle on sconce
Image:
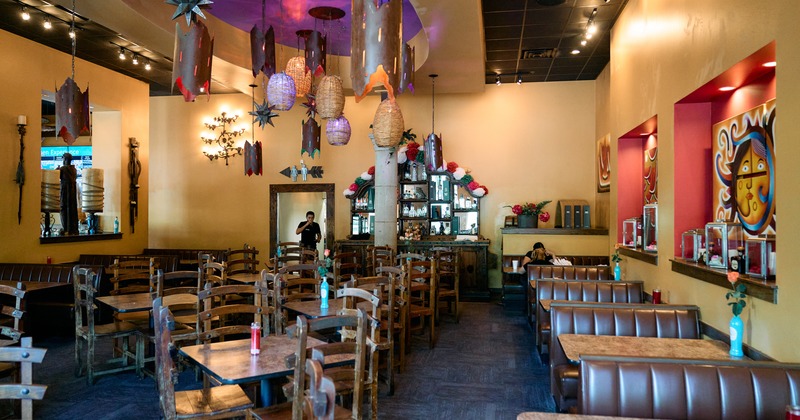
(22, 120)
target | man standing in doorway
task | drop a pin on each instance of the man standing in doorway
(309, 231)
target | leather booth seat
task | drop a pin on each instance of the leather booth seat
(620, 319)
(564, 272)
(686, 389)
(581, 291)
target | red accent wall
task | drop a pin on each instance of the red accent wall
(629, 180)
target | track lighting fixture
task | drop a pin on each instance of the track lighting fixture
(121, 53)
(46, 23)
(147, 65)
(71, 33)
(135, 60)
(497, 80)
(519, 79)
(25, 14)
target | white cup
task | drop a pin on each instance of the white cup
(515, 265)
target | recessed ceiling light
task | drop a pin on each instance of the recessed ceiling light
(770, 64)
(727, 88)
(576, 51)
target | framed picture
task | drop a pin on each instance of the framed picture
(743, 189)
(604, 164)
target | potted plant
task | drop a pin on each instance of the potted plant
(529, 214)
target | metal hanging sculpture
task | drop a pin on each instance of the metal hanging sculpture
(407, 78)
(433, 143)
(190, 9)
(262, 46)
(191, 68)
(376, 40)
(252, 151)
(262, 113)
(316, 53)
(72, 105)
(311, 138)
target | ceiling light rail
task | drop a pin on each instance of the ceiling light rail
(500, 78)
(48, 20)
(136, 57)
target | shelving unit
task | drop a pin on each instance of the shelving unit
(435, 202)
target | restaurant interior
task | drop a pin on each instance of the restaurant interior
(642, 156)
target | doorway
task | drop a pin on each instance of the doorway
(288, 204)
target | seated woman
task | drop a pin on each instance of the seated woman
(537, 256)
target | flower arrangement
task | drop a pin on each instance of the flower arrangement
(413, 151)
(615, 256)
(737, 294)
(532, 209)
(325, 264)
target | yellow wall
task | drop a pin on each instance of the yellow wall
(525, 143)
(663, 50)
(28, 69)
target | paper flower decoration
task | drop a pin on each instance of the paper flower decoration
(263, 114)
(459, 173)
(366, 176)
(371, 170)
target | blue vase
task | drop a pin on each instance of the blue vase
(737, 330)
(617, 273)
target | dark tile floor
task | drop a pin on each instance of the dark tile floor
(484, 367)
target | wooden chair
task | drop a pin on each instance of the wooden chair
(448, 263)
(378, 256)
(11, 316)
(174, 287)
(291, 285)
(215, 402)
(403, 258)
(421, 287)
(215, 273)
(243, 260)
(399, 316)
(306, 401)
(83, 280)
(345, 265)
(25, 356)
(234, 318)
(370, 292)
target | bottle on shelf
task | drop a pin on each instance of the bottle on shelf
(461, 202)
(324, 291)
(116, 224)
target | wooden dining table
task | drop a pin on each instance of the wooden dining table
(245, 277)
(230, 362)
(31, 287)
(139, 302)
(575, 345)
(311, 308)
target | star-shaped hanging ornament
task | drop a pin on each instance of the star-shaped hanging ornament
(311, 105)
(189, 8)
(263, 114)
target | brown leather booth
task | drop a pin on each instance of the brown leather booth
(622, 319)
(686, 389)
(564, 272)
(607, 291)
(45, 307)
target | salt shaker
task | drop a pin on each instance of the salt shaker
(255, 338)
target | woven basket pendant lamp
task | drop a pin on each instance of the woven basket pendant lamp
(330, 97)
(388, 125)
(296, 69)
(281, 91)
(338, 131)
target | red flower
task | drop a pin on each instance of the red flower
(412, 146)
(473, 185)
(544, 217)
(451, 167)
(371, 170)
(412, 153)
(517, 209)
(353, 187)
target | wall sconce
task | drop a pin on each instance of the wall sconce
(226, 140)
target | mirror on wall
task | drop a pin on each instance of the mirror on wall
(288, 206)
(95, 171)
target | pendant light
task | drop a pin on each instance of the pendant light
(388, 125)
(338, 131)
(433, 143)
(296, 69)
(252, 151)
(72, 105)
(376, 40)
(330, 93)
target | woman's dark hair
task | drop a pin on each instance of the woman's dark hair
(538, 245)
